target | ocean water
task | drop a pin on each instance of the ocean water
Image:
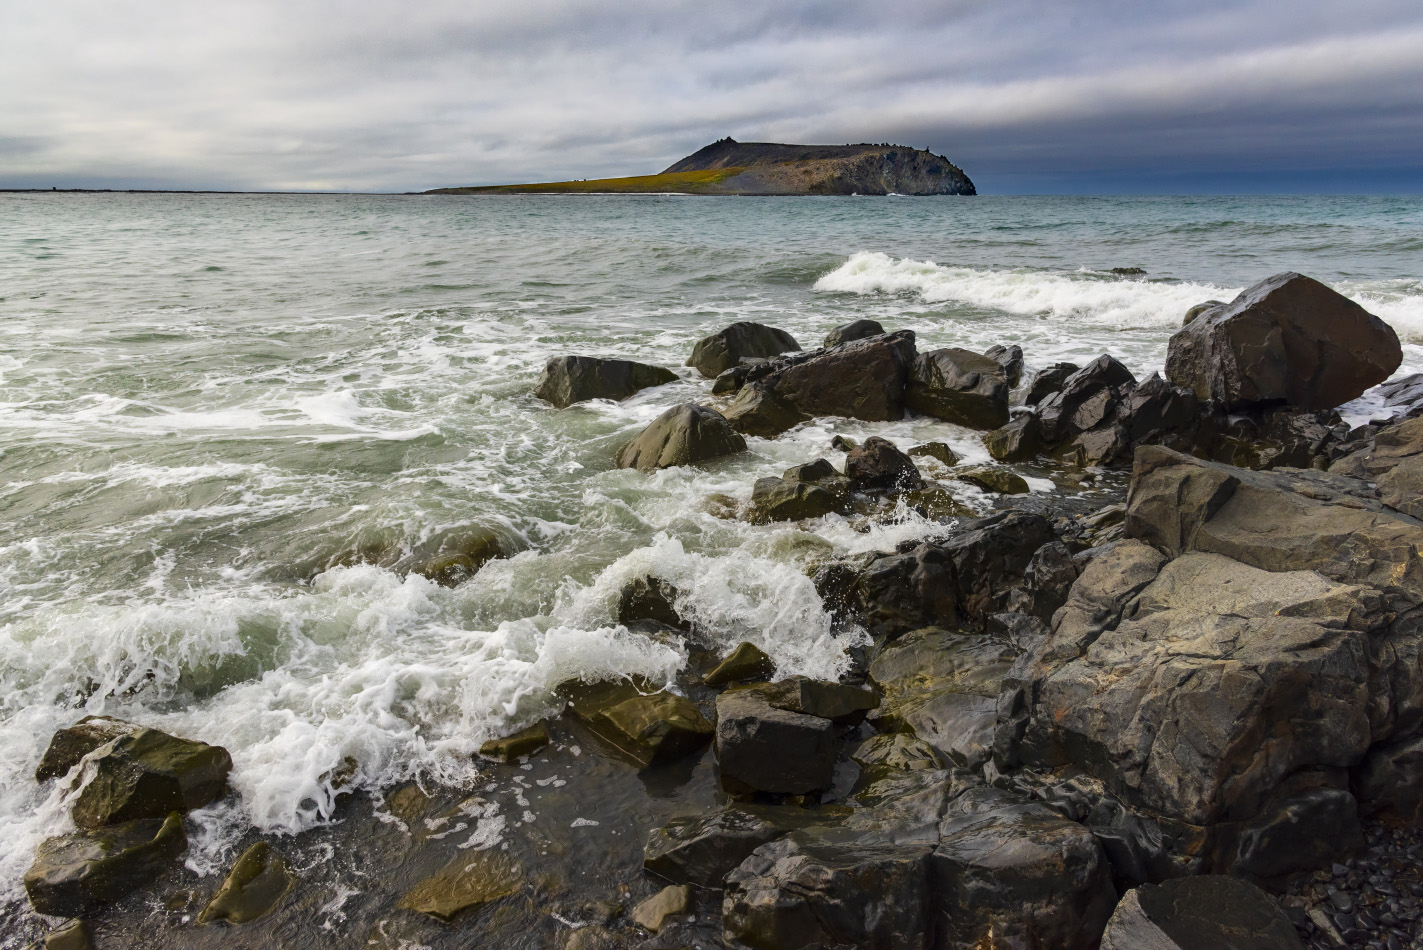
(205, 401)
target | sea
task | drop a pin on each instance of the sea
(211, 405)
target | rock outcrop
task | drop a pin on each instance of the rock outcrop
(570, 379)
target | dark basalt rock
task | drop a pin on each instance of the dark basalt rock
(935, 450)
(68, 746)
(649, 729)
(1088, 398)
(518, 744)
(854, 330)
(570, 379)
(746, 662)
(731, 380)
(649, 598)
(959, 386)
(722, 350)
(878, 466)
(1049, 381)
(703, 849)
(759, 411)
(1012, 873)
(253, 889)
(990, 556)
(1405, 393)
(1205, 912)
(147, 774)
(1287, 340)
(841, 703)
(72, 936)
(1017, 441)
(764, 749)
(782, 499)
(683, 435)
(1011, 359)
(74, 875)
(897, 593)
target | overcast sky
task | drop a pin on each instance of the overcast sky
(1306, 95)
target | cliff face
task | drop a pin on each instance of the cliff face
(729, 167)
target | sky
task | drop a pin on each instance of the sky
(1314, 96)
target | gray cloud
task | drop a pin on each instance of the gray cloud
(372, 95)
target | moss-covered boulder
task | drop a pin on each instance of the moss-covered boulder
(683, 435)
(253, 889)
(647, 728)
(68, 746)
(782, 499)
(76, 874)
(746, 662)
(570, 379)
(722, 350)
(147, 774)
(518, 744)
(470, 880)
(999, 480)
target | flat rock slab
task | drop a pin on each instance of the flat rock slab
(649, 729)
(76, 874)
(255, 886)
(1205, 912)
(470, 880)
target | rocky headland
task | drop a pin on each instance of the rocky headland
(1177, 703)
(728, 167)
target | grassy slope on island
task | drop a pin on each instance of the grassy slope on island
(669, 182)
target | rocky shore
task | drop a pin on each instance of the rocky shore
(1177, 703)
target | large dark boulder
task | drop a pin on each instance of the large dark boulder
(854, 330)
(878, 465)
(1011, 359)
(683, 435)
(1088, 398)
(959, 386)
(897, 593)
(1287, 340)
(67, 747)
(570, 379)
(784, 499)
(990, 556)
(702, 849)
(761, 748)
(1017, 441)
(1204, 912)
(1048, 381)
(74, 875)
(863, 379)
(147, 774)
(722, 350)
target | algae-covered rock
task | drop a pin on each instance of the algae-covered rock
(746, 662)
(781, 499)
(147, 774)
(72, 936)
(722, 350)
(935, 450)
(650, 729)
(471, 879)
(253, 888)
(570, 379)
(652, 913)
(68, 746)
(683, 435)
(521, 743)
(79, 873)
(999, 480)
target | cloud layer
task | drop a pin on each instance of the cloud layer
(1027, 96)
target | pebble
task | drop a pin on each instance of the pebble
(1372, 900)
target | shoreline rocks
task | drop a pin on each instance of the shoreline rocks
(683, 435)
(715, 354)
(570, 379)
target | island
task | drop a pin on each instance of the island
(729, 167)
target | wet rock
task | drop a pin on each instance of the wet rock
(863, 379)
(843, 443)
(935, 450)
(253, 889)
(68, 746)
(1391, 446)
(854, 330)
(878, 465)
(147, 774)
(817, 471)
(649, 729)
(829, 887)
(839, 702)
(782, 499)
(649, 598)
(990, 556)
(731, 380)
(1089, 398)
(1201, 309)
(1049, 381)
(1287, 340)
(458, 557)
(518, 744)
(408, 802)
(943, 687)
(902, 592)
(1017, 441)
(883, 755)
(1011, 359)
(1196, 913)
(722, 350)
(1390, 783)
(999, 480)
(1405, 393)
(959, 386)
(72, 936)
(652, 913)
(76, 874)
(1047, 581)
(683, 435)
(471, 879)
(936, 503)
(764, 749)
(746, 662)
(702, 849)
(570, 379)
(1013, 873)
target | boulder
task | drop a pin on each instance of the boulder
(731, 380)
(1011, 873)
(1287, 340)
(764, 749)
(147, 774)
(75, 875)
(469, 880)
(841, 703)
(683, 435)
(882, 755)
(703, 849)
(253, 889)
(457, 557)
(1049, 381)
(878, 465)
(652, 913)
(649, 729)
(1390, 782)
(959, 386)
(990, 556)
(518, 744)
(67, 747)
(897, 593)
(724, 349)
(1011, 359)
(1204, 912)
(863, 379)
(570, 379)
(854, 330)
(998, 480)
(1017, 441)
(782, 499)
(1199, 310)
(649, 598)
(746, 662)
(935, 450)
(1088, 398)
(74, 935)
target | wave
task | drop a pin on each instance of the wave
(1125, 302)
